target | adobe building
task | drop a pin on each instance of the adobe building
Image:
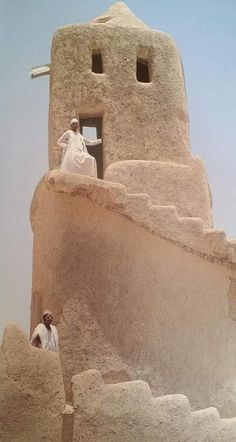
(117, 74)
(127, 81)
(141, 285)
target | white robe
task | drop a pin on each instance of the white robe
(75, 157)
(48, 337)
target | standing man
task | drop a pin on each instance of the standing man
(75, 157)
(45, 335)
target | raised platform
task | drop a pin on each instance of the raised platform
(136, 291)
(187, 232)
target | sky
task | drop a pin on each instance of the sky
(205, 33)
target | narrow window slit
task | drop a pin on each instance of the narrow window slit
(97, 65)
(142, 71)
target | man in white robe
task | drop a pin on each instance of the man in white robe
(45, 334)
(75, 157)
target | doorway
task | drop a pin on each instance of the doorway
(92, 128)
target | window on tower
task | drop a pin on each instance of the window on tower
(97, 65)
(142, 70)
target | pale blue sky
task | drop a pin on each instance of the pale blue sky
(205, 32)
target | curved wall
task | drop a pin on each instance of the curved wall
(130, 304)
(145, 121)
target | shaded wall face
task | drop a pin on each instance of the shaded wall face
(126, 300)
(140, 120)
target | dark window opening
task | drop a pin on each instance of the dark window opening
(97, 66)
(91, 128)
(142, 71)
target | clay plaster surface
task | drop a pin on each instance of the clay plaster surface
(31, 391)
(187, 232)
(127, 412)
(140, 285)
(127, 302)
(153, 119)
(183, 186)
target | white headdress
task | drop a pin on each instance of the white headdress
(74, 120)
(47, 312)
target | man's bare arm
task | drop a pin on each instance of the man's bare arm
(36, 342)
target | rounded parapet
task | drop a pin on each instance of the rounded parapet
(128, 412)
(31, 390)
(162, 220)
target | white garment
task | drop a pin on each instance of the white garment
(75, 157)
(48, 337)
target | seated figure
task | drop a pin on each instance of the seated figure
(75, 157)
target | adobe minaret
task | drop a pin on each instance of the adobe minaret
(130, 76)
(142, 287)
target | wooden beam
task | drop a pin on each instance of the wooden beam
(39, 71)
